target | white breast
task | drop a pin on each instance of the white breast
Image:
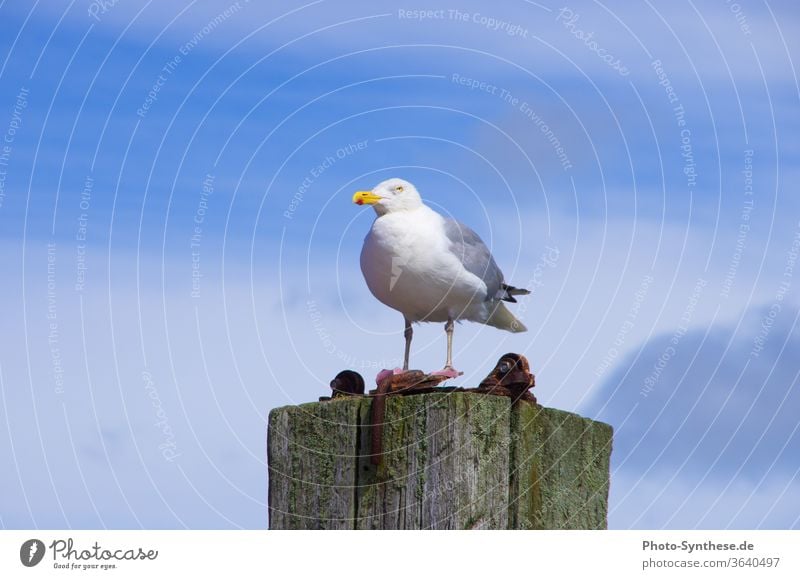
(408, 266)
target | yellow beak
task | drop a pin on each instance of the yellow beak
(366, 197)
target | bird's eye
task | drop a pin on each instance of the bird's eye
(399, 188)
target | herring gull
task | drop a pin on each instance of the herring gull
(431, 268)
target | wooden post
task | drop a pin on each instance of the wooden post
(457, 460)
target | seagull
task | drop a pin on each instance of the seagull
(431, 268)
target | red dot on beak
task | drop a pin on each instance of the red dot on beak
(360, 202)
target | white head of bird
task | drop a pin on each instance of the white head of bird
(389, 196)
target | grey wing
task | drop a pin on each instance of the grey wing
(475, 256)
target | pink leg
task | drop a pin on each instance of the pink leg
(407, 334)
(448, 369)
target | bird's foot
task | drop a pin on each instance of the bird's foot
(447, 371)
(385, 373)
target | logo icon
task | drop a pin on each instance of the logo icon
(31, 552)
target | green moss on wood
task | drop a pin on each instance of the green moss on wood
(450, 460)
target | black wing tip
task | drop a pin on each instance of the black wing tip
(516, 291)
(512, 291)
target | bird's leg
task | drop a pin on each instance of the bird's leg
(383, 374)
(448, 369)
(448, 328)
(409, 332)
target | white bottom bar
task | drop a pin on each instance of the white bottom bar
(379, 554)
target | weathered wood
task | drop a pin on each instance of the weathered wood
(456, 460)
(312, 453)
(559, 475)
(445, 464)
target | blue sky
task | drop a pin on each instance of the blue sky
(185, 171)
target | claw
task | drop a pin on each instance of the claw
(449, 371)
(385, 373)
